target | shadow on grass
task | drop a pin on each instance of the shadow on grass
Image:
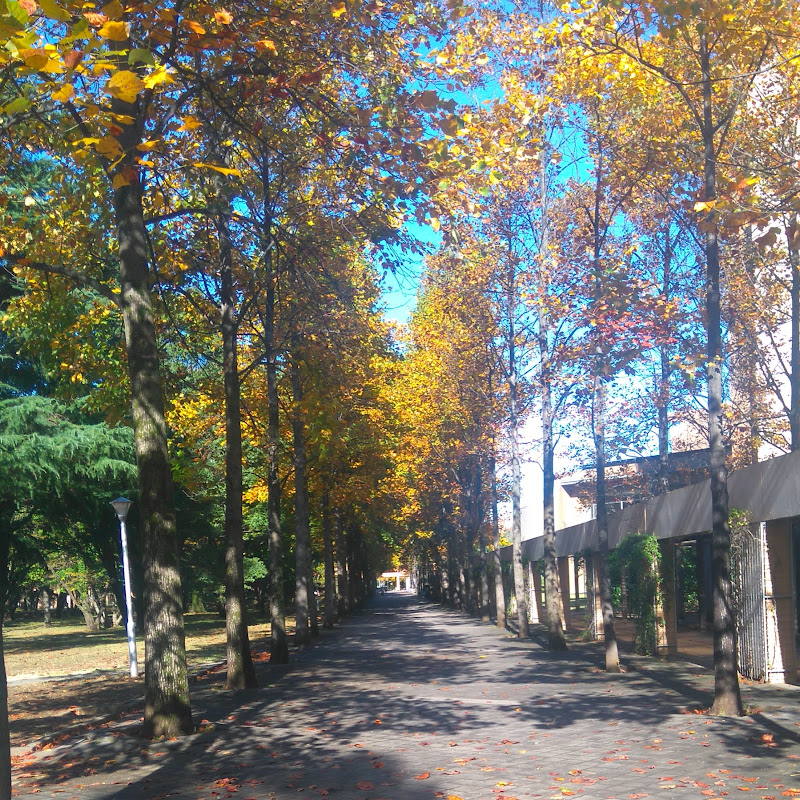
(32, 637)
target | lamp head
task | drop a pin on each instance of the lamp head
(122, 506)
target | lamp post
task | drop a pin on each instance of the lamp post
(122, 506)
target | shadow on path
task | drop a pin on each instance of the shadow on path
(408, 700)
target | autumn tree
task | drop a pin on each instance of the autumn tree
(706, 60)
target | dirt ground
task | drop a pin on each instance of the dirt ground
(42, 709)
(97, 665)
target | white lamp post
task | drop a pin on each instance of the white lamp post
(122, 506)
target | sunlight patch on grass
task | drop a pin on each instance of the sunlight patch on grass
(68, 648)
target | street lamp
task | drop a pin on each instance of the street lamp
(122, 506)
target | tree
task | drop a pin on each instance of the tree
(707, 60)
(52, 462)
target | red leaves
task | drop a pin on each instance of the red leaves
(424, 776)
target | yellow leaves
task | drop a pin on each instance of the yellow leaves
(436, 223)
(109, 147)
(35, 58)
(704, 205)
(218, 168)
(115, 30)
(64, 94)
(119, 181)
(223, 17)
(125, 85)
(190, 124)
(158, 77)
(267, 44)
(338, 9)
(113, 10)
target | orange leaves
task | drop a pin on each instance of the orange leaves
(423, 776)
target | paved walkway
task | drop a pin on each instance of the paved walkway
(407, 701)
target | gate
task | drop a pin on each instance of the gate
(748, 556)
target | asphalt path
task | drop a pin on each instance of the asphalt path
(409, 701)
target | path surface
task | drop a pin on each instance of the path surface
(407, 701)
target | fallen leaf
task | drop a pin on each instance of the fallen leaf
(423, 776)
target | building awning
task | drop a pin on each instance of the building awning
(769, 490)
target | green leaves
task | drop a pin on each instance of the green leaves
(54, 11)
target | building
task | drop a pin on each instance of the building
(768, 624)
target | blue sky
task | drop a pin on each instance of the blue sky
(400, 288)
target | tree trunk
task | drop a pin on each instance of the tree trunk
(554, 619)
(329, 610)
(45, 598)
(497, 565)
(342, 590)
(167, 710)
(663, 388)
(553, 615)
(607, 607)
(483, 560)
(5, 736)
(279, 647)
(302, 534)
(516, 500)
(88, 607)
(241, 673)
(313, 609)
(352, 569)
(6, 511)
(794, 370)
(89, 618)
(727, 698)
(446, 597)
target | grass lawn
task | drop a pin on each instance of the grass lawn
(67, 647)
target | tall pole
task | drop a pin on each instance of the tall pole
(126, 571)
(121, 506)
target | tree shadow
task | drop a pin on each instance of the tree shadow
(399, 690)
